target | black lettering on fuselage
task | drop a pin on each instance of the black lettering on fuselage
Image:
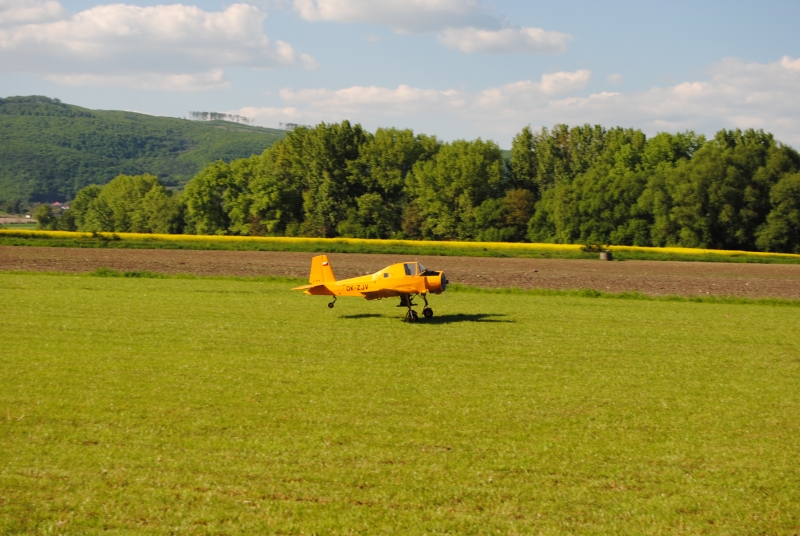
(358, 288)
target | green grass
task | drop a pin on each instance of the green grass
(161, 405)
(30, 226)
(389, 247)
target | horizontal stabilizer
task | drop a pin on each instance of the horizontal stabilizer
(305, 287)
(316, 290)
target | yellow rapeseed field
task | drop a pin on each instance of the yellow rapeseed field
(486, 246)
(298, 240)
(698, 251)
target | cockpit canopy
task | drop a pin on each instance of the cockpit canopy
(415, 268)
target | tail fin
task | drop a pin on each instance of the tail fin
(321, 271)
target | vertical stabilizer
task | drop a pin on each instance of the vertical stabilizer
(321, 271)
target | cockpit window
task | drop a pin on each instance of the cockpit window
(410, 268)
(421, 268)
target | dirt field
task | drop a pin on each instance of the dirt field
(650, 277)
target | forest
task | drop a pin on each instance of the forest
(584, 184)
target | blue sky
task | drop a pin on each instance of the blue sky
(452, 68)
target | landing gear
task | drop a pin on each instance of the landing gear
(330, 305)
(427, 312)
(405, 301)
(411, 315)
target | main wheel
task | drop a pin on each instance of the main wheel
(427, 312)
(330, 305)
(412, 316)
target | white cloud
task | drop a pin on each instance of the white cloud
(15, 12)
(162, 44)
(465, 25)
(614, 78)
(308, 63)
(373, 104)
(563, 82)
(735, 95)
(402, 16)
(211, 80)
(505, 40)
(373, 100)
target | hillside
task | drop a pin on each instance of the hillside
(49, 150)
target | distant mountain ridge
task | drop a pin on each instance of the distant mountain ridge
(49, 150)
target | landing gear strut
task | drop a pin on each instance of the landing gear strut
(411, 315)
(405, 301)
(427, 312)
(330, 305)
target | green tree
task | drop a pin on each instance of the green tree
(236, 198)
(721, 197)
(204, 198)
(138, 204)
(329, 186)
(412, 221)
(523, 161)
(276, 193)
(450, 186)
(781, 231)
(518, 208)
(120, 204)
(80, 206)
(596, 205)
(43, 214)
(162, 211)
(381, 169)
(66, 221)
(563, 152)
(665, 150)
(370, 218)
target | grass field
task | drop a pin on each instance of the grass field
(135, 405)
(28, 226)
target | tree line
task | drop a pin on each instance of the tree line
(585, 184)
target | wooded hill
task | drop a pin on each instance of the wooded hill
(49, 150)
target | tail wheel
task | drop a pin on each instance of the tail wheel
(330, 305)
(427, 312)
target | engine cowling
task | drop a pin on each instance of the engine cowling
(436, 283)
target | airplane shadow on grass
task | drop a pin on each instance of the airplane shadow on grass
(480, 317)
(442, 319)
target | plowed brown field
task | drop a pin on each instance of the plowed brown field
(649, 277)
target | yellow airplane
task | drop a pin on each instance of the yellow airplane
(404, 280)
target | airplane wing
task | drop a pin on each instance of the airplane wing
(385, 293)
